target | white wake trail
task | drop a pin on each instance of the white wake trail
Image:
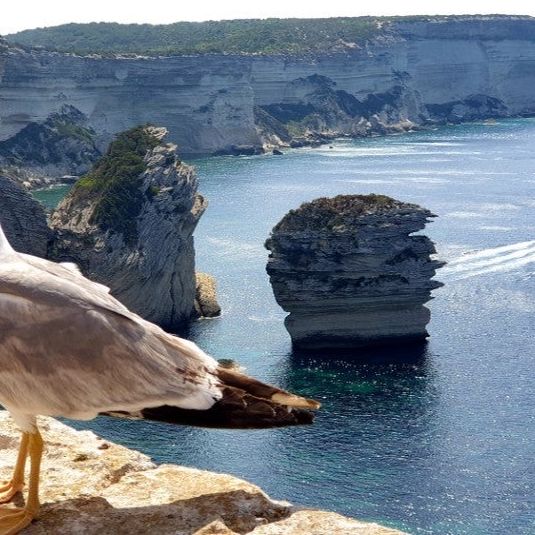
(496, 259)
(495, 251)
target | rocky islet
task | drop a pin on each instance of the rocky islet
(351, 273)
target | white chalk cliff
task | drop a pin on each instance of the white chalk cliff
(448, 69)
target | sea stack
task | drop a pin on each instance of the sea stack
(129, 225)
(351, 274)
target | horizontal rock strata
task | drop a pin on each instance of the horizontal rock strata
(411, 73)
(90, 486)
(350, 273)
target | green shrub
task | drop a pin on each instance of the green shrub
(115, 181)
(252, 36)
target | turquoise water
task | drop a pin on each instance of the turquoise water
(436, 438)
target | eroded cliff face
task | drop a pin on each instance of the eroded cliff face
(135, 234)
(206, 102)
(412, 73)
(90, 486)
(23, 219)
(350, 272)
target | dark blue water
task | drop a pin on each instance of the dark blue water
(435, 438)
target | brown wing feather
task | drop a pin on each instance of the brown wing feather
(261, 390)
(246, 403)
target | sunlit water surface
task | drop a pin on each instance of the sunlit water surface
(438, 438)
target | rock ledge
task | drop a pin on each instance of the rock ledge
(91, 486)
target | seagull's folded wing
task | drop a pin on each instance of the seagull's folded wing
(68, 348)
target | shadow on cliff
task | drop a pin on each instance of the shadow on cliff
(238, 510)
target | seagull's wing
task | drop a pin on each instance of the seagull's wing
(72, 349)
(64, 270)
(68, 348)
(37, 277)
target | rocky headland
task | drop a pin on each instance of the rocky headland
(351, 274)
(398, 75)
(127, 224)
(90, 486)
(60, 148)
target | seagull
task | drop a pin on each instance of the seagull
(69, 349)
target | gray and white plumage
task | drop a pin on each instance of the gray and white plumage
(68, 348)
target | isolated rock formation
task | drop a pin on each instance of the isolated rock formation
(206, 304)
(44, 152)
(23, 219)
(90, 486)
(350, 273)
(129, 225)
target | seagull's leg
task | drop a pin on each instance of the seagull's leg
(13, 520)
(17, 481)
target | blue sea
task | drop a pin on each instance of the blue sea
(436, 438)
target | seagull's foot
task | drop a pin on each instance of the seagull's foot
(9, 490)
(13, 520)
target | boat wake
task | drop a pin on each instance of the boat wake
(494, 260)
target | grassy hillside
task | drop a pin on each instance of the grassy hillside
(252, 36)
(269, 36)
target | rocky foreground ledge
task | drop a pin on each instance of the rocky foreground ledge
(91, 486)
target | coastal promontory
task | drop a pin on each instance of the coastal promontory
(57, 149)
(351, 274)
(129, 225)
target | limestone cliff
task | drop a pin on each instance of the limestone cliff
(314, 110)
(129, 224)
(90, 486)
(45, 152)
(413, 72)
(23, 219)
(350, 272)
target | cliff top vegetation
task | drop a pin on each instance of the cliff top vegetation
(252, 36)
(114, 183)
(340, 212)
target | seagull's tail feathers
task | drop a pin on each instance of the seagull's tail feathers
(245, 404)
